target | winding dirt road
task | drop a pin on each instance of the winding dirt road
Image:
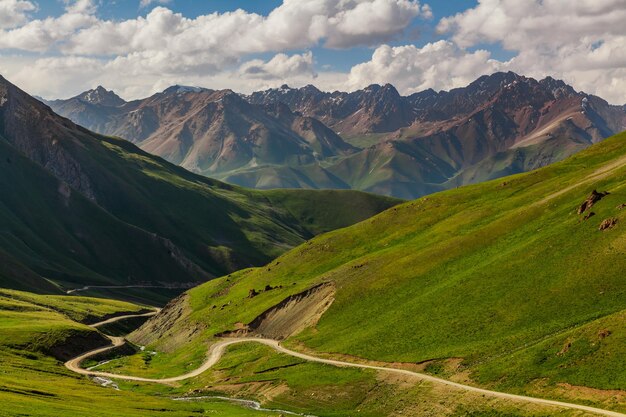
(217, 350)
(74, 364)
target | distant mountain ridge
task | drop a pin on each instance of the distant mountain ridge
(372, 139)
(208, 131)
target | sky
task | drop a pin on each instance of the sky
(59, 48)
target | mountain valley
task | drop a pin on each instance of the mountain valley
(76, 204)
(312, 302)
(321, 208)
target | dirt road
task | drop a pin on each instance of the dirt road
(74, 364)
(217, 350)
(128, 316)
(597, 175)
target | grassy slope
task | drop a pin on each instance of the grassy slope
(32, 383)
(252, 371)
(394, 169)
(320, 212)
(45, 234)
(80, 309)
(170, 220)
(518, 160)
(478, 272)
(41, 322)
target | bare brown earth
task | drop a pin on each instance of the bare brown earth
(290, 316)
(160, 326)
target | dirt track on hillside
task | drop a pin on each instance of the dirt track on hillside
(217, 350)
(598, 174)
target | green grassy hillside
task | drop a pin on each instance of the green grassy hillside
(487, 273)
(83, 209)
(33, 383)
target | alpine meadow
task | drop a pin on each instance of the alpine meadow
(319, 208)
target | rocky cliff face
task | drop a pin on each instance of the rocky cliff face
(44, 137)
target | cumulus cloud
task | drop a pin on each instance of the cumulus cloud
(169, 45)
(281, 66)
(80, 6)
(60, 77)
(522, 24)
(294, 24)
(15, 12)
(581, 42)
(440, 65)
(40, 34)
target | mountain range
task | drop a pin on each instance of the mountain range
(374, 139)
(80, 209)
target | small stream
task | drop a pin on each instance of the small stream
(253, 405)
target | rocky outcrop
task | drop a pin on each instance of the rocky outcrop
(593, 198)
(589, 215)
(609, 223)
(164, 327)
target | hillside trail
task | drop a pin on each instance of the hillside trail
(598, 174)
(217, 350)
(74, 364)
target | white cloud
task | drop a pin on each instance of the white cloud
(440, 65)
(60, 77)
(40, 34)
(80, 6)
(15, 12)
(580, 41)
(365, 23)
(169, 46)
(531, 23)
(281, 66)
(295, 24)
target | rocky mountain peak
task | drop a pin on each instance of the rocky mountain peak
(310, 88)
(101, 96)
(558, 87)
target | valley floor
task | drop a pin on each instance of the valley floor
(33, 383)
(217, 350)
